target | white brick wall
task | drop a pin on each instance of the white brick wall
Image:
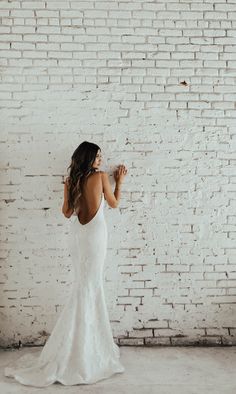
(153, 83)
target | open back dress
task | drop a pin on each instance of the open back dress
(80, 349)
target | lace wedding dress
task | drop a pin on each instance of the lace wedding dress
(80, 349)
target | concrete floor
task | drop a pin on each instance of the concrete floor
(154, 370)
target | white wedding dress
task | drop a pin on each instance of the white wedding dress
(80, 349)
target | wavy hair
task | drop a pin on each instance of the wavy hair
(80, 168)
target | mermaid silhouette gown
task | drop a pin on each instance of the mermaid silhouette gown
(80, 349)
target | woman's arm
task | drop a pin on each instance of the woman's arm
(67, 212)
(111, 198)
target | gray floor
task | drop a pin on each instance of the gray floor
(159, 370)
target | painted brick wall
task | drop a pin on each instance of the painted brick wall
(152, 83)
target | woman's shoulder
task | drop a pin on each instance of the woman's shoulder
(100, 173)
(95, 174)
(98, 177)
(95, 177)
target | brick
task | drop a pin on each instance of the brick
(154, 84)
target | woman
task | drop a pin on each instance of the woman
(80, 349)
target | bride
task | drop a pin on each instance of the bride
(80, 348)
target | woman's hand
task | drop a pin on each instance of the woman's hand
(120, 173)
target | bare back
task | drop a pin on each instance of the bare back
(91, 198)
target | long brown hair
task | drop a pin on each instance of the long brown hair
(80, 168)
